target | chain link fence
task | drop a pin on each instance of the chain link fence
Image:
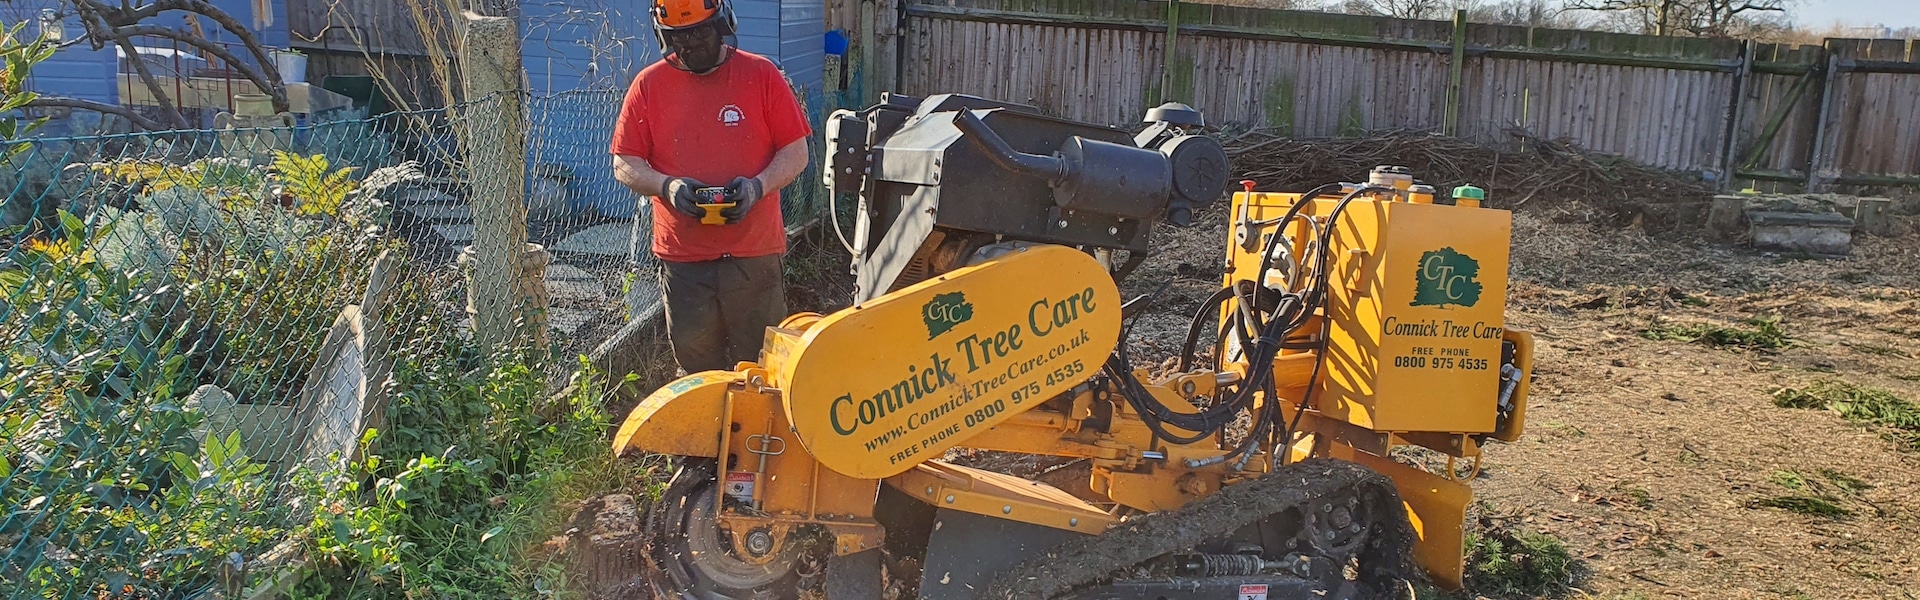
(201, 326)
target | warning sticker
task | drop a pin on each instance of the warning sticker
(1253, 591)
(740, 485)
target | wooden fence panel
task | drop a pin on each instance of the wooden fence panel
(1778, 111)
(1089, 74)
(1872, 114)
(1315, 90)
(1850, 110)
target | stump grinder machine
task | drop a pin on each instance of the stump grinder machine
(1311, 438)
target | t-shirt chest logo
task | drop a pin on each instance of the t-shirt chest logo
(732, 116)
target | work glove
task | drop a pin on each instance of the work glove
(678, 191)
(743, 192)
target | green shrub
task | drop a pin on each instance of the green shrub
(470, 476)
(109, 488)
(1517, 562)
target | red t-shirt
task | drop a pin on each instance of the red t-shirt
(712, 128)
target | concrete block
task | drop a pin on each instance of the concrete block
(1724, 220)
(1814, 233)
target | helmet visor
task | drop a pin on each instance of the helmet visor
(697, 48)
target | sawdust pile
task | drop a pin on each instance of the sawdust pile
(1529, 172)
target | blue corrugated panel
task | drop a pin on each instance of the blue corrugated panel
(802, 41)
(759, 27)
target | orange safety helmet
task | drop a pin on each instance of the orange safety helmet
(676, 15)
(669, 15)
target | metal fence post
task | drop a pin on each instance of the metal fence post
(506, 288)
(1829, 79)
(1742, 77)
(1451, 124)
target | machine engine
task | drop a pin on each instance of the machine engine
(940, 178)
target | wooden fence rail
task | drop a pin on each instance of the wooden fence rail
(1843, 114)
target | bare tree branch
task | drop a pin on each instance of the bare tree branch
(270, 70)
(112, 109)
(96, 26)
(267, 75)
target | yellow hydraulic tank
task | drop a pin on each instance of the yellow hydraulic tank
(1417, 296)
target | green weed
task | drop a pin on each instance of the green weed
(1688, 456)
(1792, 480)
(1881, 350)
(1817, 506)
(1517, 562)
(1847, 483)
(1640, 497)
(1819, 497)
(1565, 430)
(1860, 404)
(1753, 334)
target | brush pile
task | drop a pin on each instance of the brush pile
(1530, 172)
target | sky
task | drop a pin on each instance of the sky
(1819, 14)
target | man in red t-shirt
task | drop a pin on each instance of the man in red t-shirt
(709, 114)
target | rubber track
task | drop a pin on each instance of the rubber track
(1386, 559)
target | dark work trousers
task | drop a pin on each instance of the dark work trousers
(718, 311)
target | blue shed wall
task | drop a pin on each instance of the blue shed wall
(77, 71)
(803, 42)
(759, 27)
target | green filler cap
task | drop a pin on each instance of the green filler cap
(1468, 191)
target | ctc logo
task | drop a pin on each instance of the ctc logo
(1436, 270)
(951, 314)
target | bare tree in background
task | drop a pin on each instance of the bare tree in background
(1704, 18)
(1527, 13)
(1403, 9)
(119, 22)
(1309, 5)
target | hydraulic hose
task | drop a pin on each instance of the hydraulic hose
(1292, 311)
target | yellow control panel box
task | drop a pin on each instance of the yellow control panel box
(1417, 294)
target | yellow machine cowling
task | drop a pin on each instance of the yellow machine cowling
(1417, 306)
(878, 388)
(1002, 355)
